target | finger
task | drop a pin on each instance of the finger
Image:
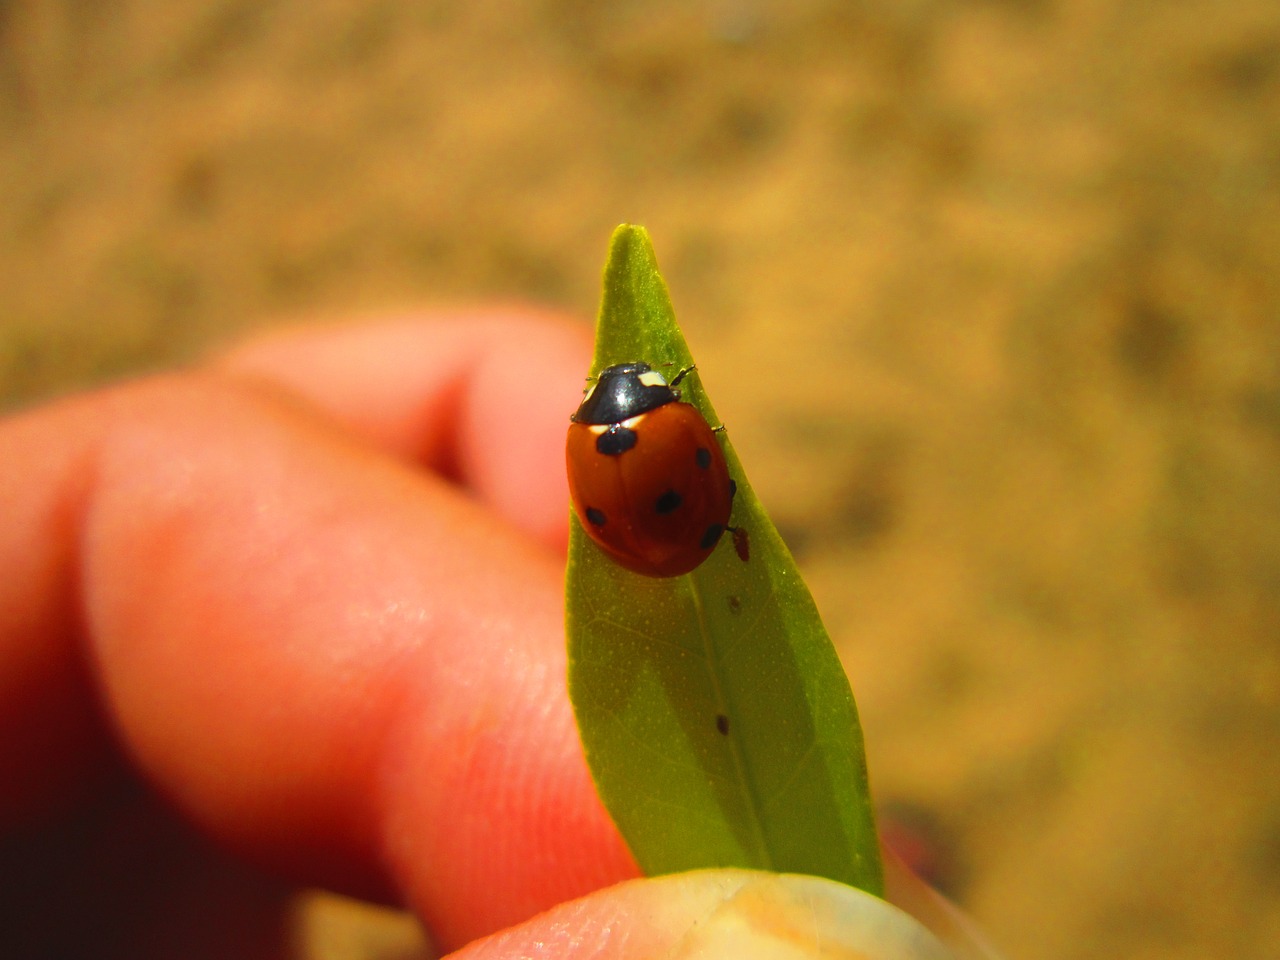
(338, 666)
(430, 388)
(717, 913)
(480, 397)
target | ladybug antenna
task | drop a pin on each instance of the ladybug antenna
(682, 374)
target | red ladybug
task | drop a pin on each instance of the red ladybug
(647, 476)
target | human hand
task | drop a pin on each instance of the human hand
(296, 617)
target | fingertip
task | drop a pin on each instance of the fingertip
(481, 397)
(513, 420)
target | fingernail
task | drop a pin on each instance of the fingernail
(789, 917)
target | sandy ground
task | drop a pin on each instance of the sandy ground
(989, 291)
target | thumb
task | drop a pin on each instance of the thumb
(731, 914)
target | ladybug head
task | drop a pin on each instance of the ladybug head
(623, 391)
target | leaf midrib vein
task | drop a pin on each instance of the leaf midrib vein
(739, 761)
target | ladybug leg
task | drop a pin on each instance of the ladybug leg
(741, 541)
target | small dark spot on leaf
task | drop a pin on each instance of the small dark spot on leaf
(722, 724)
(735, 605)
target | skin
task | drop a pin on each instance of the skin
(295, 617)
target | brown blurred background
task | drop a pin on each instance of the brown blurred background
(987, 290)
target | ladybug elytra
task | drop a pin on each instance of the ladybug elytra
(647, 477)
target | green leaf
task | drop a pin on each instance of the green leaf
(717, 720)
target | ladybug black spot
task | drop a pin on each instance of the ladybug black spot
(711, 536)
(596, 517)
(703, 456)
(668, 502)
(615, 441)
(733, 488)
(722, 724)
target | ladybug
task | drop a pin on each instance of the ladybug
(647, 477)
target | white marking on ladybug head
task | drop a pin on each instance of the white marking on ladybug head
(653, 378)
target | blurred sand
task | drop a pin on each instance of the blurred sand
(987, 290)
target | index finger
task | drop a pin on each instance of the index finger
(338, 666)
(480, 398)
